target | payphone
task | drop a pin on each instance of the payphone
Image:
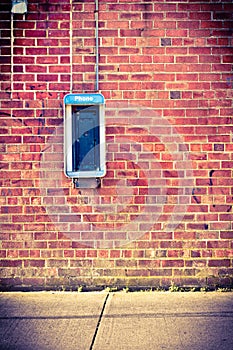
(84, 139)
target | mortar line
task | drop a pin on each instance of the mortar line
(99, 322)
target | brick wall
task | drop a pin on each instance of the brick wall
(163, 212)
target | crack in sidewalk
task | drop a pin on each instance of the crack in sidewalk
(99, 322)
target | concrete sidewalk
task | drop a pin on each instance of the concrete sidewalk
(102, 320)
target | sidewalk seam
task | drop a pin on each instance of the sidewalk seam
(99, 322)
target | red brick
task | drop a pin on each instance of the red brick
(3, 253)
(172, 263)
(226, 234)
(46, 60)
(23, 253)
(144, 60)
(35, 34)
(102, 254)
(114, 253)
(10, 139)
(80, 253)
(11, 263)
(218, 263)
(34, 282)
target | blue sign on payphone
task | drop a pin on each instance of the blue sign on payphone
(76, 99)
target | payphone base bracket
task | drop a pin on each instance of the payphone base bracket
(86, 182)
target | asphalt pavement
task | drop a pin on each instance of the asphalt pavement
(107, 320)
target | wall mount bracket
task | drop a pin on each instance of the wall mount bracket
(87, 183)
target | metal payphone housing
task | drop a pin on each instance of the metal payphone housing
(84, 138)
